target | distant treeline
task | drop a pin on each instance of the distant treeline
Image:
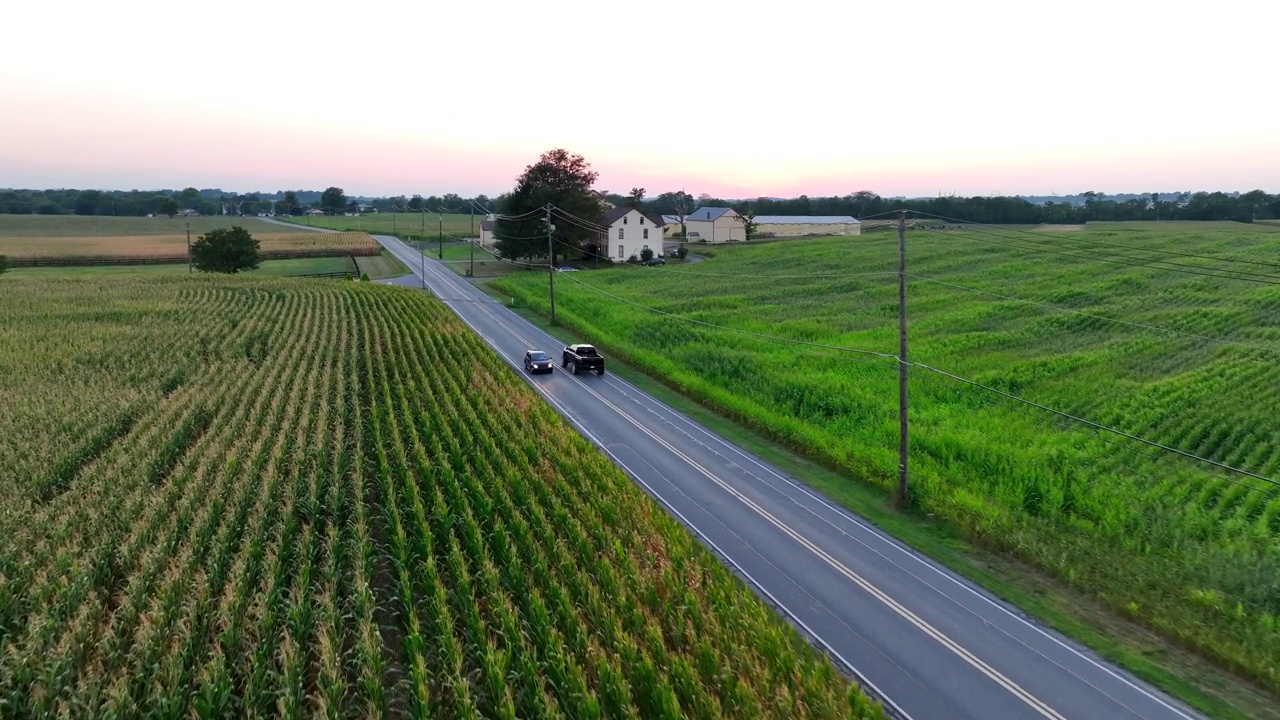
(1242, 207)
(139, 203)
(1245, 207)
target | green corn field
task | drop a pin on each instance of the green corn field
(1180, 545)
(257, 498)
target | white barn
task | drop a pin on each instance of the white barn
(715, 225)
(797, 225)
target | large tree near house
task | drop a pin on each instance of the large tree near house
(561, 179)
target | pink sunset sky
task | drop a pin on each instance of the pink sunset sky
(732, 99)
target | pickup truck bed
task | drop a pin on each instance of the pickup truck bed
(582, 358)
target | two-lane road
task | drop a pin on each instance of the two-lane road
(926, 641)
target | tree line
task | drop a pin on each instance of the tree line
(140, 203)
(1242, 207)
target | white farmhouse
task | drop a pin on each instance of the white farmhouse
(715, 225)
(629, 232)
(797, 225)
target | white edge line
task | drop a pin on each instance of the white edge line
(564, 413)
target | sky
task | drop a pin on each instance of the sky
(733, 99)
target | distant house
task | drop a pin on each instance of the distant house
(314, 212)
(715, 225)
(188, 213)
(797, 225)
(630, 231)
(487, 226)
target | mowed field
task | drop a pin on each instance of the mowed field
(1180, 545)
(164, 246)
(236, 497)
(404, 224)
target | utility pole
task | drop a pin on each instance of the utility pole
(189, 270)
(440, 230)
(903, 499)
(473, 219)
(471, 244)
(551, 266)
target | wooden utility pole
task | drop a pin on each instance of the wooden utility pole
(440, 230)
(551, 266)
(189, 270)
(903, 500)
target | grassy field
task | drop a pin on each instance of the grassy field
(381, 266)
(43, 226)
(403, 224)
(153, 246)
(1185, 550)
(269, 268)
(251, 497)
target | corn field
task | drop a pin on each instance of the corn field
(235, 497)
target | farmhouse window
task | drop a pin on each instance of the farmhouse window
(621, 234)
(624, 221)
(621, 255)
(641, 220)
(646, 233)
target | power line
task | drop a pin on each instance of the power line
(764, 336)
(1096, 317)
(1099, 426)
(1060, 237)
(1119, 262)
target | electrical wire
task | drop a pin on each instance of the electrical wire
(1098, 426)
(1059, 237)
(1096, 317)
(774, 338)
(1118, 262)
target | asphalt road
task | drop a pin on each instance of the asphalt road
(928, 643)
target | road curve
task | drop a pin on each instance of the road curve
(928, 643)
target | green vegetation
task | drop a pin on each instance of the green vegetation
(246, 497)
(418, 225)
(66, 226)
(226, 250)
(1188, 552)
(381, 266)
(269, 268)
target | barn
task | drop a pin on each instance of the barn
(797, 225)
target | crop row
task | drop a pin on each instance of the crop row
(1152, 534)
(310, 512)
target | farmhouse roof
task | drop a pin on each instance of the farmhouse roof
(708, 213)
(806, 220)
(670, 219)
(612, 216)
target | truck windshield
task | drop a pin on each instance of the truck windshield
(586, 350)
(537, 355)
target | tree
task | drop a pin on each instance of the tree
(4, 264)
(291, 202)
(749, 223)
(560, 179)
(636, 198)
(415, 203)
(225, 250)
(333, 201)
(169, 207)
(646, 254)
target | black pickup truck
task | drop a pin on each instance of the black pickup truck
(582, 358)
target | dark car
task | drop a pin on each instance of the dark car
(652, 262)
(536, 361)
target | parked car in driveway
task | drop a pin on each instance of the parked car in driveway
(566, 268)
(652, 262)
(536, 361)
